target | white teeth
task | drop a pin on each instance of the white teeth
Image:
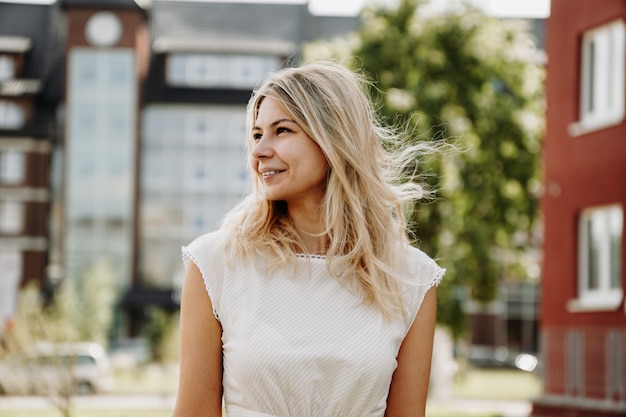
(268, 173)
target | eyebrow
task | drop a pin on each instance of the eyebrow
(277, 122)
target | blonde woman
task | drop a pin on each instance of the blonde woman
(309, 300)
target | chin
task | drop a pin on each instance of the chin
(271, 197)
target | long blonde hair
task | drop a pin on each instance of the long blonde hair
(365, 191)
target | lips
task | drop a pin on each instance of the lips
(270, 172)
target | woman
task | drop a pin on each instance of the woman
(309, 300)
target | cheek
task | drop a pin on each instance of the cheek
(320, 168)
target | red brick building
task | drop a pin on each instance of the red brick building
(583, 322)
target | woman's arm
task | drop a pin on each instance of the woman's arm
(200, 383)
(409, 385)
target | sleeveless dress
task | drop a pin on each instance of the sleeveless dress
(299, 342)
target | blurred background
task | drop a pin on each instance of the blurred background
(122, 131)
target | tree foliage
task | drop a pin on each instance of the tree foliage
(87, 304)
(474, 80)
(78, 311)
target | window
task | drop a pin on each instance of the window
(211, 70)
(600, 231)
(602, 78)
(12, 167)
(6, 68)
(11, 115)
(11, 217)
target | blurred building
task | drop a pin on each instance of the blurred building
(511, 321)
(583, 321)
(28, 109)
(122, 133)
(121, 139)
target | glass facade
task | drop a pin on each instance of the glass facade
(100, 164)
(219, 70)
(193, 170)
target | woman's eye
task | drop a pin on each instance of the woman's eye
(282, 130)
(257, 136)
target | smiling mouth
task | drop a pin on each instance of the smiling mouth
(266, 174)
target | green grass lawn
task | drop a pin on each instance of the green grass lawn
(488, 384)
(497, 384)
(153, 379)
(448, 412)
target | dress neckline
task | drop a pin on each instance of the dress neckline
(310, 256)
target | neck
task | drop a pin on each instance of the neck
(315, 245)
(307, 220)
(313, 236)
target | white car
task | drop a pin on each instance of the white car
(57, 369)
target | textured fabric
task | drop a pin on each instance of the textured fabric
(299, 342)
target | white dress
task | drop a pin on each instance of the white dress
(300, 343)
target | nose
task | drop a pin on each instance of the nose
(261, 148)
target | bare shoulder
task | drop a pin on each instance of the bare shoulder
(200, 381)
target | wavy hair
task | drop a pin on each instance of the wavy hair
(366, 187)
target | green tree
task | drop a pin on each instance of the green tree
(474, 80)
(86, 305)
(159, 331)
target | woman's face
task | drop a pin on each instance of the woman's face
(290, 165)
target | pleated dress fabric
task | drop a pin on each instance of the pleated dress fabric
(299, 342)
